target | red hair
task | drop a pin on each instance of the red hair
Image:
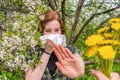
(52, 15)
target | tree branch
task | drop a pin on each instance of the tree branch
(76, 18)
(107, 11)
(92, 62)
(55, 2)
(63, 10)
(86, 23)
(77, 13)
(52, 4)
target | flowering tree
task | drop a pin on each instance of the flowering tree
(18, 37)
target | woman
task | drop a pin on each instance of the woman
(57, 62)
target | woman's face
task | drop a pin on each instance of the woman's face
(52, 27)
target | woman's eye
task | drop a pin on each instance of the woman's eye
(57, 30)
(47, 30)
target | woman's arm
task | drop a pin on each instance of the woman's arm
(38, 71)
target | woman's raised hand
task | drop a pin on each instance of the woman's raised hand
(70, 65)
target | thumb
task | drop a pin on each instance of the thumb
(115, 76)
(99, 75)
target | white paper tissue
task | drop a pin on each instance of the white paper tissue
(56, 38)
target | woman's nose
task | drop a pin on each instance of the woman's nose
(53, 32)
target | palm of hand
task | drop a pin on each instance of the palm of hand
(71, 68)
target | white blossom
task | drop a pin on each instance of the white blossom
(42, 17)
(24, 67)
(2, 53)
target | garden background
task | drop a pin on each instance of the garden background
(19, 20)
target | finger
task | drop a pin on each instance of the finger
(58, 48)
(49, 45)
(51, 41)
(48, 40)
(63, 52)
(69, 53)
(59, 66)
(99, 75)
(57, 54)
(115, 76)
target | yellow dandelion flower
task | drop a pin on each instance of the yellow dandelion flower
(104, 42)
(115, 26)
(91, 51)
(109, 42)
(108, 35)
(103, 29)
(116, 42)
(106, 52)
(114, 20)
(94, 40)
